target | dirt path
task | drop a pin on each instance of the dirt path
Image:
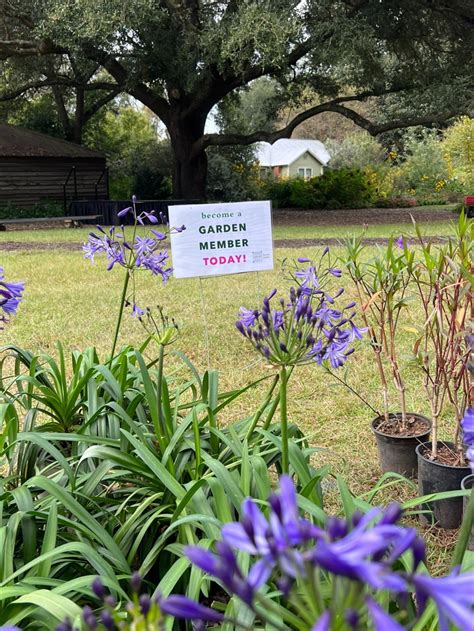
(311, 218)
(361, 216)
(34, 246)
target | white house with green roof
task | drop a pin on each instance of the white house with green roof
(293, 157)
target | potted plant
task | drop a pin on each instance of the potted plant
(443, 280)
(382, 286)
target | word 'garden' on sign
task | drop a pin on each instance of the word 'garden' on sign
(221, 238)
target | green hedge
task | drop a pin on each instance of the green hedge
(344, 188)
(38, 210)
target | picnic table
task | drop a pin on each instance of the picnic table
(73, 221)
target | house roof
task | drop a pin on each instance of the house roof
(21, 143)
(286, 150)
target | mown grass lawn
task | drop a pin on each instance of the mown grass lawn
(79, 235)
(70, 300)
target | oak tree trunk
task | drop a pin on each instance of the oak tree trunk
(189, 169)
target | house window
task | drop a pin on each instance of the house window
(305, 172)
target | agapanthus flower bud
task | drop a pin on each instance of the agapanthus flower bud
(89, 618)
(418, 548)
(107, 620)
(240, 327)
(123, 213)
(352, 618)
(145, 604)
(285, 583)
(135, 582)
(98, 588)
(337, 528)
(392, 513)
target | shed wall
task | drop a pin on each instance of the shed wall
(26, 181)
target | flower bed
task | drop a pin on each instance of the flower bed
(122, 468)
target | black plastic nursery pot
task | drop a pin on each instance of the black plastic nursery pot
(397, 452)
(434, 477)
(466, 484)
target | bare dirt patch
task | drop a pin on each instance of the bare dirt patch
(45, 246)
(360, 216)
(346, 217)
(37, 246)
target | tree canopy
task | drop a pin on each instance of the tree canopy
(181, 58)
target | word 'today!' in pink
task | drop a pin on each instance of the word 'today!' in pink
(225, 260)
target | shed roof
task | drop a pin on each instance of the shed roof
(18, 142)
(286, 150)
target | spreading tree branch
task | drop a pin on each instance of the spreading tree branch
(140, 91)
(335, 105)
(95, 107)
(25, 48)
(375, 129)
(58, 81)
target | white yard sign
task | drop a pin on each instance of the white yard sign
(221, 238)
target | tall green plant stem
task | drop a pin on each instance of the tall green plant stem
(159, 390)
(284, 420)
(121, 308)
(376, 346)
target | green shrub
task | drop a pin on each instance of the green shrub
(342, 188)
(45, 208)
(279, 191)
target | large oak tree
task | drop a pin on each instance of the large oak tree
(181, 58)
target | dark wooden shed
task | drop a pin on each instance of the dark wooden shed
(36, 167)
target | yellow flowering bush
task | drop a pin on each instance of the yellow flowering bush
(458, 153)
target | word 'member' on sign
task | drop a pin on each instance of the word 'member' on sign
(221, 238)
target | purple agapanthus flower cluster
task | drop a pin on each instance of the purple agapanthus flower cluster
(356, 560)
(143, 611)
(467, 425)
(137, 252)
(307, 326)
(11, 295)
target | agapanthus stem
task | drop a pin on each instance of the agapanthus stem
(275, 404)
(159, 391)
(284, 420)
(121, 309)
